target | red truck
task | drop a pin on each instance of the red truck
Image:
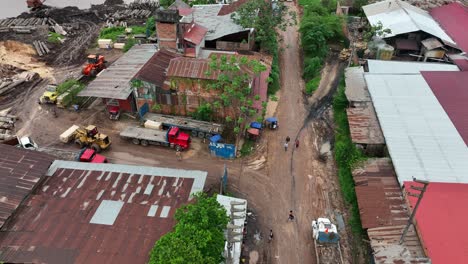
(172, 137)
(90, 155)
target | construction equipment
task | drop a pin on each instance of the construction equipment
(50, 95)
(96, 63)
(34, 4)
(88, 136)
(326, 241)
(173, 137)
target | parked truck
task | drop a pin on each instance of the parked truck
(326, 242)
(196, 128)
(172, 137)
(90, 155)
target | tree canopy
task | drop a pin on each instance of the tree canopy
(233, 84)
(198, 236)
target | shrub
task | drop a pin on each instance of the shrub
(312, 85)
(54, 37)
(312, 67)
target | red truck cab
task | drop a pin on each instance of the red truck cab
(90, 155)
(180, 139)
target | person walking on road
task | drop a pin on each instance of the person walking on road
(179, 155)
(297, 143)
(286, 146)
(288, 139)
(291, 216)
(270, 238)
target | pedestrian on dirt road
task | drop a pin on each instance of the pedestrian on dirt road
(179, 155)
(288, 139)
(291, 216)
(270, 238)
(286, 146)
(297, 143)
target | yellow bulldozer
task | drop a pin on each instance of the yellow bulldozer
(86, 137)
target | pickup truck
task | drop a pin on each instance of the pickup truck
(90, 155)
(172, 137)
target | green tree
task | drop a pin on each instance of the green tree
(173, 249)
(378, 31)
(198, 236)
(204, 112)
(233, 85)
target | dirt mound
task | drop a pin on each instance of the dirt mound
(21, 55)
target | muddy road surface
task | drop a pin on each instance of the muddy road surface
(295, 179)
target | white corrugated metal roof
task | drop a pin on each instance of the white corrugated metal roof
(421, 138)
(401, 17)
(218, 26)
(198, 177)
(225, 201)
(405, 67)
(356, 90)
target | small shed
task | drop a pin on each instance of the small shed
(113, 84)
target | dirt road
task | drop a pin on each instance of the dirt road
(295, 179)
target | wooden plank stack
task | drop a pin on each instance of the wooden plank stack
(7, 126)
(24, 25)
(41, 48)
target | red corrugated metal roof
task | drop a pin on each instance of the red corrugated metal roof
(228, 9)
(453, 18)
(154, 71)
(195, 33)
(462, 64)
(53, 225)
(451, 90)
(441, 220)
(185, 11)
(20, 172)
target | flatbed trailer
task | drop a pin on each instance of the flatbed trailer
(147, 136)
(328, 253)
(196, 128)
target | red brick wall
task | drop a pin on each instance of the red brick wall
(167, 35)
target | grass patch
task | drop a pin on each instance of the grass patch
(347, 156)
(54, 37)
(247, 147)
(312, 85)
(114, 32)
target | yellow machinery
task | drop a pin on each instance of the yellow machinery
(88, 136)
(50, 95)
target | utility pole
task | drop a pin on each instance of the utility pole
(421, 190)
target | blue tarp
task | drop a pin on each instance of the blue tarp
(256, 125)
(272, 119)
(215, 138)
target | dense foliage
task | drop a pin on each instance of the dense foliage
(198, 236)
(318, 28)
(233, 85)
(347, 156)
(266, 20)
(204, 112)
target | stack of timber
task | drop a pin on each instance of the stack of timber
(130, 13)
(24, 25)
(41, 48)
(7, 126)
(12, 87)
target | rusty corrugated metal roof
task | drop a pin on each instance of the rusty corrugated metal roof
(385, 243)
(379, 195)
(364, 126)
(154, 71)
(20, 171)
(191, 68)
(232, 7)
(195, 33)
(53, 225)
